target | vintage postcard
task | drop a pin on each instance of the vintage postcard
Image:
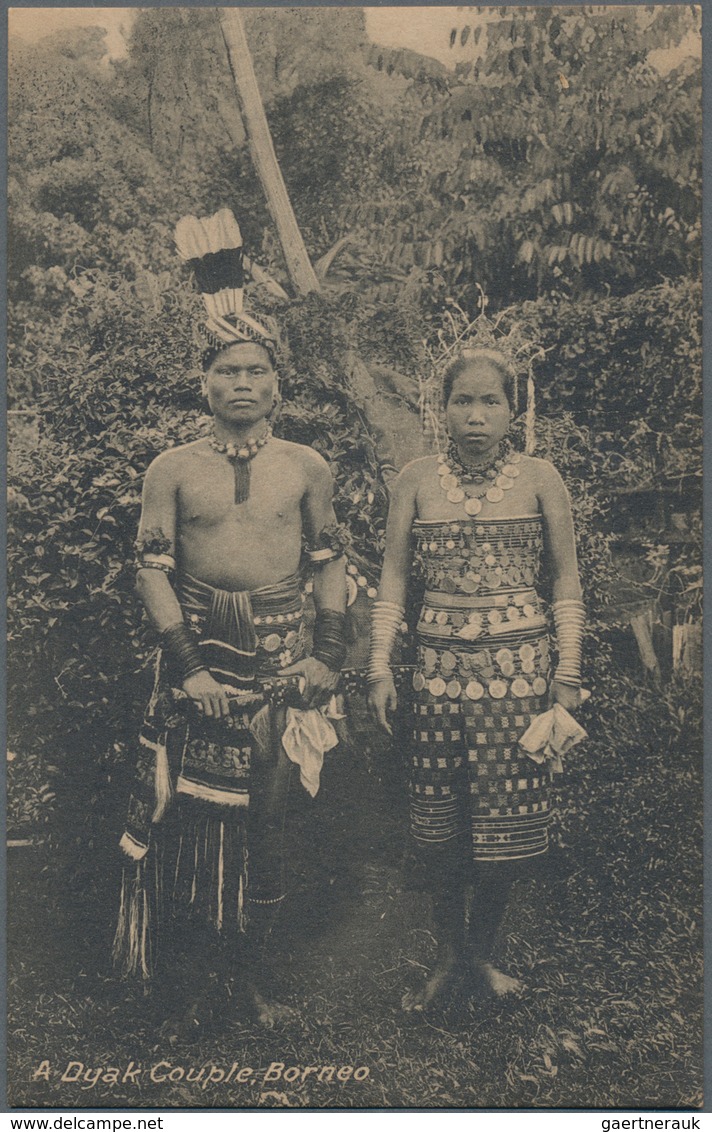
(354, 528)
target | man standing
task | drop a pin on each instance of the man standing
(220, 544)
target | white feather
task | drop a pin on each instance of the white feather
(189, 238)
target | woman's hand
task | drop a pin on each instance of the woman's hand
(209, 696)
(383, 700)
(566, 695)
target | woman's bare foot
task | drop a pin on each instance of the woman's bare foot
(189, 1024)
(497, 983)
(434, 988)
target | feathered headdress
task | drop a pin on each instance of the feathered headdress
(212, 248)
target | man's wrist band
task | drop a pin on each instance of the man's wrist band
(180, 645)
(330, 639)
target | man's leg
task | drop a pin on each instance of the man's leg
(269, 792)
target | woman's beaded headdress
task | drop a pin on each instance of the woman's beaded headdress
(212, 248)
(482, 336)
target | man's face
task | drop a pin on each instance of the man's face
(240, 384)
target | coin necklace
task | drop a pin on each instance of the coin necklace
(240, 457)
(488, 481)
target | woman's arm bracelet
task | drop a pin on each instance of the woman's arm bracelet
(569, 617)
(330, 639)
(180, 645)
(386, 620)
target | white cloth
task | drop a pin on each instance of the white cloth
(308, 735)
(550, 736)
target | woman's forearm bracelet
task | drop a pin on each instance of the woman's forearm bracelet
(569, 616)
(386, 618)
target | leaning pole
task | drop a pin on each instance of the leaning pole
(299, 265)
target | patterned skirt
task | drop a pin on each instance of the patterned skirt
(473, 699)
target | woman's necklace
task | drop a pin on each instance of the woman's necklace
(469, 486)
(240, 457)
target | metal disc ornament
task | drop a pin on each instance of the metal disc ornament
(497, 689)
(539, 686)
(450, 482)
(418, 682)
(474, 690)
(456, 495)
(520, 688)
(437, 686)
(495, 494)
(453, 689)
(473, 506)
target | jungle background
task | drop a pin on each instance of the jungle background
(555, 169)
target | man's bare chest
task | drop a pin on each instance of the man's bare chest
(206, 499)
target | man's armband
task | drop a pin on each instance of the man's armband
(153, 552)
(569, 617)
(331, 543)
(330, 639)
(386, 619)
(179, 643)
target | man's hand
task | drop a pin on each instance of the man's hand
(382, 700)
(209, 696)
(320, 681)
(566, 695)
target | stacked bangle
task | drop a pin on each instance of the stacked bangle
(180, 645)
(569, 622)
(330, 639)
(386, 619)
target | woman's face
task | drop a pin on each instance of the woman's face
(477, 412)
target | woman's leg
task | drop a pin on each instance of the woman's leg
(447, 882)
(490, 896)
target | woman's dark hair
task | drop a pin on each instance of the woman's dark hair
(208, 356)
(496, 360)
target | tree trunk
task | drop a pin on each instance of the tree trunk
(299, 265)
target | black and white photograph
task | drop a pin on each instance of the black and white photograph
(354, 445)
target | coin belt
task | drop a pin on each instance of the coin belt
(444, 616)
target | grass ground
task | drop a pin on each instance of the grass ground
(608, 943)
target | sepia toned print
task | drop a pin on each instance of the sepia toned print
(354, 558)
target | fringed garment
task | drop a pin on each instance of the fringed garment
(482, 677)
(198, 848)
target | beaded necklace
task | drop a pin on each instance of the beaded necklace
(240, 457)
(470, 485)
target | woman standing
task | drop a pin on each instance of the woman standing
(484, 523)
